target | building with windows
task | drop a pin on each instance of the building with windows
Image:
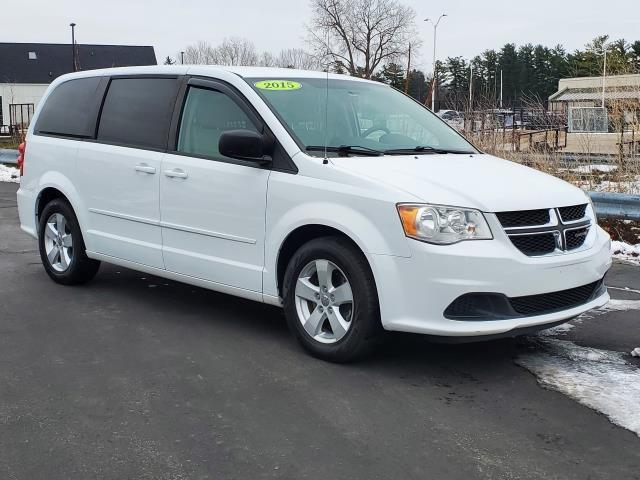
(27, 69)
(582, 101)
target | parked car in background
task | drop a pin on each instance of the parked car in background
(340, 199)
(453, 118)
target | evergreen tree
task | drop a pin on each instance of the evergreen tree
(417, 85)
(508, 64)
(392, 74)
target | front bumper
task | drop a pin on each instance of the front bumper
(415, 292)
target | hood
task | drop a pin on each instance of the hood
(484, 182)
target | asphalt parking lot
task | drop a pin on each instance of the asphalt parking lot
(133, 376)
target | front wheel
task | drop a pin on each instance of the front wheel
(330, 300)
(62, 247)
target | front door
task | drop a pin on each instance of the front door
(213, 207)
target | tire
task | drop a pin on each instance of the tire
(70, 265)
(357, 324)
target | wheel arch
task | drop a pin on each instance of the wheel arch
(52, 189)
(301, 235)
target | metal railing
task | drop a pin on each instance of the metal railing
(8, 156)
(620, 206)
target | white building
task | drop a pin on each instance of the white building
(27, 69)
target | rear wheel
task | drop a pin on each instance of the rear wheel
(330, 300)
(62, 247)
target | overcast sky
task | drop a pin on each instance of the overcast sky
(169, 25)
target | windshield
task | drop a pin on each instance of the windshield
(362, 115)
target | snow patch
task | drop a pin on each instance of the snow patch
(557, 330)
(9, 174)
(615, 305)
(630, 186)
(635, 352)
(626, 252)
(595, 168)
(599, 379)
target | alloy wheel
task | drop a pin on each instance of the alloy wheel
(58, 242)
(324, 301)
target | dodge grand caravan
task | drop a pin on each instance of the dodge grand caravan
(340, 199)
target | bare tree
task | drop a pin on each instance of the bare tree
(361, 35)
(232, 51)
(267, 59)
(236, 51)
(201, 53)
(240, 51)
(297, 58)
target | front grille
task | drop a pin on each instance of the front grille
(575, 238)
(573, 213)
(546, 231)
(523, 218)
(535, 245)
(497, 306)
(555, 301)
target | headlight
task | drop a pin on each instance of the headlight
(441, 224)
(592, 206)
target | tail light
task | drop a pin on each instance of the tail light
(21, 151)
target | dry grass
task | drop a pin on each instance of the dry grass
(618, 172)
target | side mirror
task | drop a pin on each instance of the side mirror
(245, 145)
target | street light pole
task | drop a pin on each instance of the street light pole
(435, 37)
(73, 45)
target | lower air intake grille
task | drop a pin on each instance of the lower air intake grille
(555, 301)
(497, 306)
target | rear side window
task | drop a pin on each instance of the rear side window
(137, 112)
(71, 109)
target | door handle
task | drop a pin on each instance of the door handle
(176, 173)
(144, 168)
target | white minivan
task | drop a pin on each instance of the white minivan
(340, 199)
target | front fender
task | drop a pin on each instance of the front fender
(372, 223)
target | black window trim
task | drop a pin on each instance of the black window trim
(285, 162)
(110, 78)
(96, 111)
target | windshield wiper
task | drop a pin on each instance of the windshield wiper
(346, 150)
(423, 149)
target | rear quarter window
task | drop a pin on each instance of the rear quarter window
(71, 109)
(137, 112)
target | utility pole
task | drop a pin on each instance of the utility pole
(406, 80)
(182, 58)
(434, 88)
(501, 86)
(471, 86)
(73, 47)
(604, 73)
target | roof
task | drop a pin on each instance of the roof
(217, 70)
(41, 63)
(620, 81)
(581, 94)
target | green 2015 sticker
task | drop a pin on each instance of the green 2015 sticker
(278, 85)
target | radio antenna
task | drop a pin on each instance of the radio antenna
(326, 104)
